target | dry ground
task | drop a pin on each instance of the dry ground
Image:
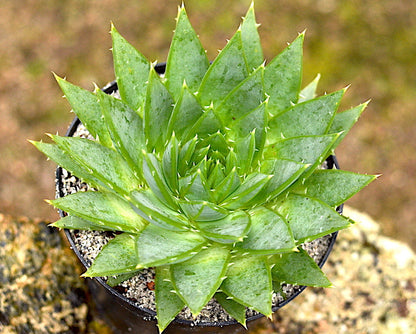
(370, 44)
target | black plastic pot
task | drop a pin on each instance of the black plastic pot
(123, 315)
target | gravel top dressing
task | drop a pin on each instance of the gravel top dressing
(140, 288)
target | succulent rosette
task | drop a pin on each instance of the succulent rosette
(211, 173)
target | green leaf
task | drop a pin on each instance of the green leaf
(226, 72)
(344, 121)
(310, 218)
(254, 120)
(309, 92)
(197, 279)
(105, 164)
(234, 309)
(285, 173)
(170, 163)
(115, 280)
(157, 246)
(283, 76)
(206, 125)
(102, 208)
(311, 150)
(197, 189)
(116, 257)
(150, 208)
(202, 211)
(202, 157)
(251, 40)
(246, 191)
(185, 156)
(168, 303)
(214, 142)
(86, 106)
(332, 186)
(126, 129)
(76, 223)
(233, 227)
(53, 152)
(309, 118)
(227, 186)
(153, 175)
(131, 69)
(277, 288)
(185, 114)
(230, 161)
(187, 60)
(216, 176)
(298, 268)
(157, 112)
(249, 283)
(245, 148)
(245, 97)
(269, 233)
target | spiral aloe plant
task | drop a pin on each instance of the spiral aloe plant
(211, 174)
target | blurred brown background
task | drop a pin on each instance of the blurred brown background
(370, 44)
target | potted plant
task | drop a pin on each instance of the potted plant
(211, 175)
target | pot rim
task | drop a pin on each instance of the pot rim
(110, 88)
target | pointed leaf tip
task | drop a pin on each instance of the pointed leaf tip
(56, 76)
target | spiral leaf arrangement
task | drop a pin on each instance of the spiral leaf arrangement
(211, 173)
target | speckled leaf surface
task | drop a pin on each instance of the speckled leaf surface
(157, 246)
(152, 171)
(158, 108)
(310, 218)
(255, 120)
(197, 279)
(268, 234)
(206, 125)
(245, 97)
(185, 114)
(251, 40)
(227, 71)
(248, 189)
(104, 163)
(283, 76)
(298, 268)
(311, 150)
(103, 208)
(146, 204)
(77, 223)
(284, 173)
(56, 154)
(249, 283)
(333, 187)
(118, 255)
(201, 211)
(85, 105)
(126, 129)
(231, 228)
(131, 69)
(309, 118)
(168, 303)
(187, 60)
